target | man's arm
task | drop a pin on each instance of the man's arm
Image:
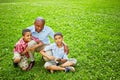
(66, 50)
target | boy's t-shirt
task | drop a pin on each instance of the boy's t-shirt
(21, 45)
(56, 51)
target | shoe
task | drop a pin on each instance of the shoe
(31, 65)
(67, 69)
(15, 65)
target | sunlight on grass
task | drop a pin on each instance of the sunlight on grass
(90, 28)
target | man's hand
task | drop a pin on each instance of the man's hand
(40, 43)
(66, 50)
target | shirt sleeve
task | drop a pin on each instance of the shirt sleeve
(18, 48)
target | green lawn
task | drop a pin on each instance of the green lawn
(91, 28)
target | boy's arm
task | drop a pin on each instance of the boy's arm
(45, 55)
(25, 51)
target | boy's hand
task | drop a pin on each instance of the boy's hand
(58, 59)
(51, 57)
(32, 49)
(25, 51)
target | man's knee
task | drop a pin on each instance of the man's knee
(31, 43)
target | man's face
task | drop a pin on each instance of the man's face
(39, 25)
(27, 36)
(58, 39)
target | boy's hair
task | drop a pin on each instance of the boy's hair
(58, 33)
(24, 31)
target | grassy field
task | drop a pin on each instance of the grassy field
(91, 28)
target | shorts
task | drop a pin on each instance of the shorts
(50, 63)
(24, 60)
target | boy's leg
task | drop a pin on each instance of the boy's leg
(70, 62)
(16, 59)
(23, 63)
(51, 65)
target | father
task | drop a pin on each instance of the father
(42, 32)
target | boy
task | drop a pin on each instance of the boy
(60, 60)
(21, 50)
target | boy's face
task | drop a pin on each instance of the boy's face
(58, 39)
(39, 25)
(27, 36)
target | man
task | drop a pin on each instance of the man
(42, 32)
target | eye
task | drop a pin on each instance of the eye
(55, 38)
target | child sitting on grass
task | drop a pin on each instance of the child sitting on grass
(60, 60)
(21, 50)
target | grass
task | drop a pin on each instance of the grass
(91, 28)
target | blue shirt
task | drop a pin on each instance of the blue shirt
(56, 51)
(42, 35)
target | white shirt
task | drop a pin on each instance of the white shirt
(56, 51)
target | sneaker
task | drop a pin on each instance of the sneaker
(67, 69)
(15, 65)
(31, 65)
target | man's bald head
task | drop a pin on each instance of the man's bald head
(40, 19)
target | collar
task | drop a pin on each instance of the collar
(22, 41)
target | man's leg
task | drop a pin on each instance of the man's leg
(49, 52)
(31, 54)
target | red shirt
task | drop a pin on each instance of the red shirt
(21, 45)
